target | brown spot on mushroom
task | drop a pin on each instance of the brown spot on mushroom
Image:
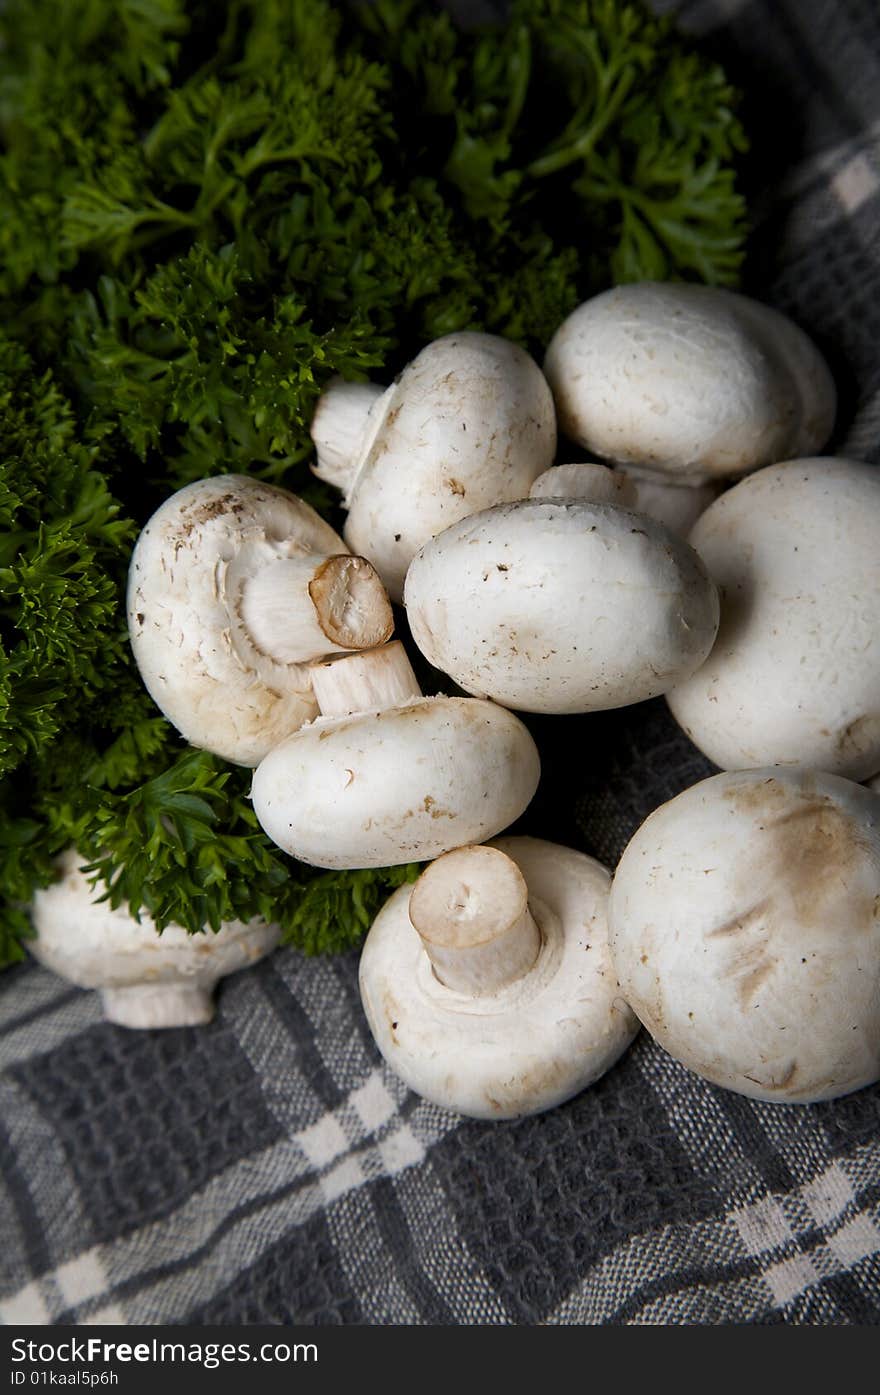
(817, 851)
(860, 735)
(811, 855)
(758, 967)
(764, 796)
(736, 924)
(456, 487)
(780, 1083)
(391, 1012)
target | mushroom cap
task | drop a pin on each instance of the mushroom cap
(402, 785)
(561, 606)
(530, 1045)
(195, 656)
(469, 423)
(794, 677)
(82, 939)
(745, 932)
(691, 380)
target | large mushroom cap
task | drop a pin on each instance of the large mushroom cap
(529, 1045)
(552, 606)
(147, 979)
(690, 380)
(195, 654)
(469, 423)
(794, 676)
(745, 932)
(401, 785)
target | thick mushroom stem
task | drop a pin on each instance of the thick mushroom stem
(339, 429)
(471, 910)
(596, 483)
(299, 608)
(673, 502)
(369, 682)
(153, 1005)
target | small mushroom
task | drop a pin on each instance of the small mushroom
(794, 677)
(671, 503)
(488, 986)
(234, 588)
(145, 979)
(468, 423)
(695, 382)
(387, 776)
(548, 606)
(745, 932)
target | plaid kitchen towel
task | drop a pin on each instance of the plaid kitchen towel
(269, 1169)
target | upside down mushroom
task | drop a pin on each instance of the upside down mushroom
(235, 586)
(488, 986)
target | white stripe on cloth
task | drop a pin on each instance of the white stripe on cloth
(25, 1308)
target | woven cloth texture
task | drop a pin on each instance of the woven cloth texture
(269, 1169)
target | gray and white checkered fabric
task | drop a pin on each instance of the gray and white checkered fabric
(269, 1169)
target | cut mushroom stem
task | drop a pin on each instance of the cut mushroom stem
(340, 427)
(471, 910)
(299, 608)
(372, 681)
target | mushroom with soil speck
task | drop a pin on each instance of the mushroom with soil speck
(745, 932)
(794, 676)
(488, 986)
(235, 586)
(561, 606)
(469, 423)
(145, 979)
(692, 382)
(386, 776)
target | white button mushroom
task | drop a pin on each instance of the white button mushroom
(692, 381)
(145, 979)
(794, 677)
(234, 587)
(469, 423)
(745, 932)
(387, 776)
(547, 606)
(676, 505)
(489, 987)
